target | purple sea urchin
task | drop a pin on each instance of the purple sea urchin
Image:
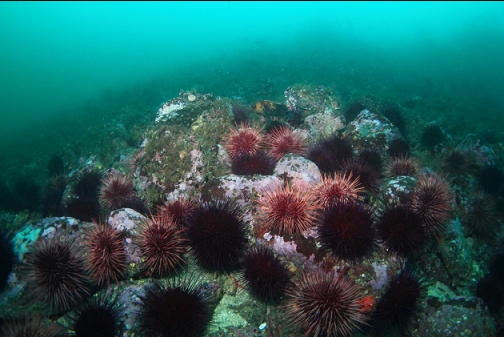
(400, 229)
(99, 316)
(258, 163)
(7, 257)
(367, 175)
(398, 147)
(399, 302)
(346, 230)
(31, 325)
(480, 216)
(217, 235)
(353, 110)
(178, 309)
(329, 153)
(373, 159)
(264, 274)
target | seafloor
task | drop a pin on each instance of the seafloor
(176, 150)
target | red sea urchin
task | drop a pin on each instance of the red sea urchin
(178, 309)
(56, 273)
(432, 200)
(264, 274)
(244, 140)
(402, 166)
(117, 191)
(217, 235)
(287, 210)
(346, 230)
(178, 210)
(336, 188)
(161, 245)
(323, 305)
(106, 257)
(282, 140)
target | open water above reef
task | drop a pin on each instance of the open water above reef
(68, 68)
(81, 85)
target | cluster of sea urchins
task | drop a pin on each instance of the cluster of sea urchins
(60, 274)
(253, 152)
(329, 305)
(346, 226)
(216, 235)
(95, 194)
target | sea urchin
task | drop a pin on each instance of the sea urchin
(367, 174)
(178, 210)
(106, 255)
(7, 257)
(432, 201)
(264, 274)
(244, 140)
(258, 163)
(398, 304)
(161, 245)
(178, 309)
(31, 325)
(56, 273)
(282, 140)
(97, 317)
(336, 188)
(480, 216)
(217, 235)
(117, 191)
(400, 229)
(323, 305)
(402, 166)
(287, 210)
(346, 230)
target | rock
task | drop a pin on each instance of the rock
(324, 124)
(371, 131)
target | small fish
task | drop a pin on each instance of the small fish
(269, 109)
